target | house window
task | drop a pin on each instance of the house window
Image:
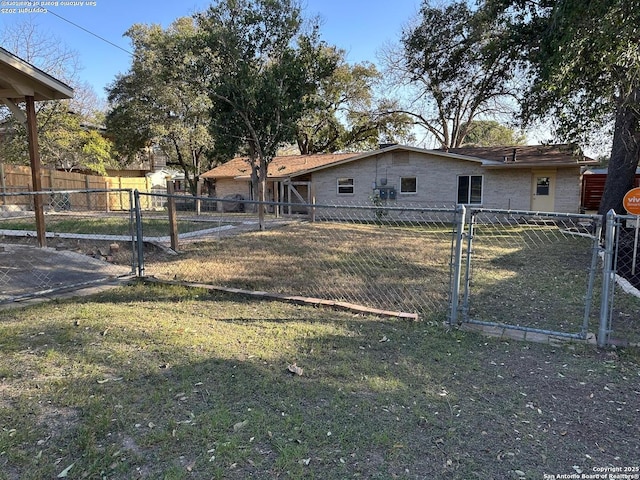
(346, 186)
(408, 185)
(470, 189)
(542, 186)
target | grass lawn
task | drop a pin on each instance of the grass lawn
(106, 225)
(401, 269)
(171, 383)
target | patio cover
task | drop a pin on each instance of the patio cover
(22, 82)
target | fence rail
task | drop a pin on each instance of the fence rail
(549, 273)
(87, 243)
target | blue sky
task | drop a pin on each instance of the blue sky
(360, 27)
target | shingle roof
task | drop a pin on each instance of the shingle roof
(526, 155)
(492, 157)
(280, 166)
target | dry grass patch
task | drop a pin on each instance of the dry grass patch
(383, 267)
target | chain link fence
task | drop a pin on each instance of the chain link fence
(558, 274)
(86, 241)
(532, 272)
(379, 257)
(621, 303)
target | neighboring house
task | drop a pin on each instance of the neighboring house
(538, 178)
(158, 178)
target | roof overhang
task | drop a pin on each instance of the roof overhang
(540, 165)
(361, 156)
(20, 79)
(481, 161)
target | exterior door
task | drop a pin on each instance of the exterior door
(543, 191)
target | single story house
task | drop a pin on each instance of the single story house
(545, 178)
(158, 178)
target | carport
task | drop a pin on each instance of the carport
(21, 82)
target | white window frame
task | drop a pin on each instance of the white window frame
(415, 192)
(351, 185)
(469, 189)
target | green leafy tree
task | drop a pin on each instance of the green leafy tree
(264, 71)
(162, 99)
(347, 116)
(448, 72)
(69, 136)
(74, 145)
(583, 61)
(489, 133)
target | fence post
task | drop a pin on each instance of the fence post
(139, 234)
(595, 254)
(173, 219)
(3, 184)
(457, 264)
(133, 230)
(607, 279)
(467, 274)
(312, 192)
(120, 194)
(198, 195)
(87, 185)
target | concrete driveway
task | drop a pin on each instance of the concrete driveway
(27, 271)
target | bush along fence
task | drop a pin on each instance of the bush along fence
(560, 275)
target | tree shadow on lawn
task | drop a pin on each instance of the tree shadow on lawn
(378, 398)
(546, 287)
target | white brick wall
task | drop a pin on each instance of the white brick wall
(437, 182)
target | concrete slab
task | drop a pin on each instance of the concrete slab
(506, 333)
(30, 271)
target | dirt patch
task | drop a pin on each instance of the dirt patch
(57, 420)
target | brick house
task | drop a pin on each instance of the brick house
(545, 178)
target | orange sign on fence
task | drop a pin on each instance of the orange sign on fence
(631, 201)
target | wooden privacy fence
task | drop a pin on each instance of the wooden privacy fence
(16, 178)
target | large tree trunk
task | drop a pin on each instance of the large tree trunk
(625, 154)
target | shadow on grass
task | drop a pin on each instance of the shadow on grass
(162, 382)
(543, 286)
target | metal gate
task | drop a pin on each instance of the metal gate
(530, 271)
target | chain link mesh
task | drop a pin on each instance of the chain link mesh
(378, 257)
(528, 270)
(533, 271)
(87, 239)
(624, 313)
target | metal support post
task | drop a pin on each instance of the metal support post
(607, 279)
(457, 264)
(173, 216)
(133, 230)
(467, 277)
(139, 235)
(592, 276)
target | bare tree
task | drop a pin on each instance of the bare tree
(446, 75)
